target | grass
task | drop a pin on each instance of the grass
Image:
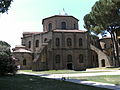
(113, 79)
(27, 82)
(61, 71)
(104, 68)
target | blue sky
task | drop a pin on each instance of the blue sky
(27, 15)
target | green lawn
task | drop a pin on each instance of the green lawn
(113, 79)
(61, 71)
(27, 82)
(104, 68)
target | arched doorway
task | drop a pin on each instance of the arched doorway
(69, 66)
(103, 62)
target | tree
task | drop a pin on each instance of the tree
(7, 62)
(103, 14)
(4, 5)
(105, 17)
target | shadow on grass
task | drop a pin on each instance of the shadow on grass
(29, 82)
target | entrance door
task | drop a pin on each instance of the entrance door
(69, 66)
(103, 62)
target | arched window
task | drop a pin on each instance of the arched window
(63, 25)
(29, 44)
(81, 58)
(24, 62)
(57, 42)
(50, 26)
(74, 26)
(45, 39)
(80, 42)
(57, 58)
(69, 42)
(37, 43)
(69, 58)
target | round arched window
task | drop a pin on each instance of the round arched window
(50, 26)
(63, 25)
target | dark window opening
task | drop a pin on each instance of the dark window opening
(69, 42)
(74, 26)
(37, 43)
(24, 62)
(69, 66)
(103, 62)
(45, 39)
(63, 25)
(57, 42)
(69, 58)
(57, 58)
(81, 58)
(50, 26)
(80, 42)
(29, 44)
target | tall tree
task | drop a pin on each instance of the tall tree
(4, 5)
(105, 16)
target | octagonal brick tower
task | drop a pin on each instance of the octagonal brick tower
(60, 22)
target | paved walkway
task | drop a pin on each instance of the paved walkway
(91, 83)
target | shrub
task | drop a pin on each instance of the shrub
(7, 62)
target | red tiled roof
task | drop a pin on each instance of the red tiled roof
(58, 16)
(21, 50)
(33, 33)
(68, 31)
(20, 46)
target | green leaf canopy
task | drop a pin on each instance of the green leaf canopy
(103, 14)
(4, 5)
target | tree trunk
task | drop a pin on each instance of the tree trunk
(115, 49)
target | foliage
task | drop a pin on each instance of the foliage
(103, 14)
(4, 5)
(7, 63)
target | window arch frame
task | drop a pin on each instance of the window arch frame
(57, 42)
(50, 26)
(37, 43)
(24, 62)
(80, 42)
(57, 58)
(74, 26)
(63, 25)
(69, 42)
(69, 58)
(29, 44)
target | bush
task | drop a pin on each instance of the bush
(7, 62)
